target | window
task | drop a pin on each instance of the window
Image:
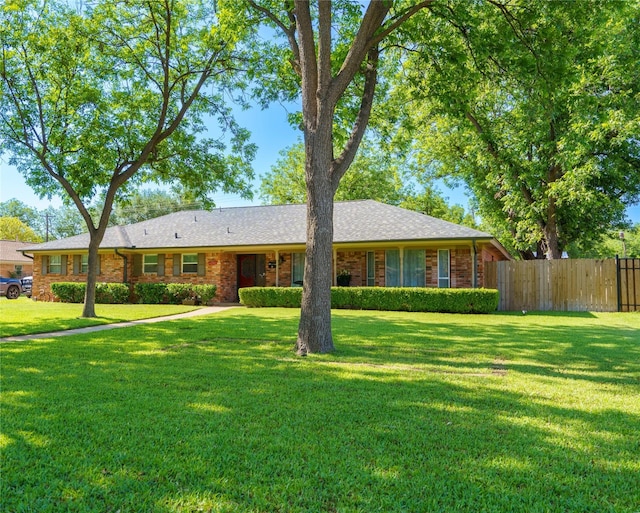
(190, 263)
(150, 264)
(413, 268)
(297, 270)
(392, 268)
(55, 264)
(18, 270)
(371, 268)
(84, 264)
(443, 269)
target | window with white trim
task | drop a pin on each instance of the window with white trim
(55, 264)
(371, 268)
(444, 265)
(297, 269)
(84, 264)
(190, 263)
(150, 264)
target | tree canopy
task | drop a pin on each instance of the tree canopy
(376, 173)
(101, 98)
(12, 228)
(535, 106)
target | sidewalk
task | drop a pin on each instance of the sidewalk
(102, 327)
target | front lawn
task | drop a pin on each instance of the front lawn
(413, 413)
(24, 316)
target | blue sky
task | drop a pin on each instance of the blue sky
(270, 131)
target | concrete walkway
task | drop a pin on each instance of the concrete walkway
(102, 327)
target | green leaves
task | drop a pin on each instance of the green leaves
(94, 95)
(535, 106)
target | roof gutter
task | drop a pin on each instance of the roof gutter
(126, 264)
(27, 256)
(474, 284)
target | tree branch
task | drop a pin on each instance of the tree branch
(341, 164)
(289, 31)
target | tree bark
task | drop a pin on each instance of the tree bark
(321, 91)
(89, 309)
(314, 329)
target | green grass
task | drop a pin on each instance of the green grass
(23, 316)
(413, 412)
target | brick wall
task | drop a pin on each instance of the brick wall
(221, 270)
(461, 268)
(8, 269)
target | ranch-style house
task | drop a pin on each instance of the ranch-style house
(377, 245)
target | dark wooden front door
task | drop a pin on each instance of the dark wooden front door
(251, 271)
(246, 271)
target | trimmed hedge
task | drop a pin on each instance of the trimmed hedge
(173, 293)
(410, 299)
(148, 293)
(112, 293)
(106, 293)
(287, 297)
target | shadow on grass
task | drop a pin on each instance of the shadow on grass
(409, 414)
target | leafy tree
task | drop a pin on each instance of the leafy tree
(374, 174)
(30, 216)
(334, 50)
(66, 221)
(534, 104)
(431, 202)
(624, 242)
(12, 228)
(147, 204)
(100, 99)
(371, 177)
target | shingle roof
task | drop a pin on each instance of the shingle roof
(10, 251)
(354, 221)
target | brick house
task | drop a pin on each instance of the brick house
(13, 263)
(379, 245)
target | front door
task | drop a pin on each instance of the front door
(246, 271)
(251, 271)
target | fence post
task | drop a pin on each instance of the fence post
(618, 285)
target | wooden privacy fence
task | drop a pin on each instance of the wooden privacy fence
(566, 285)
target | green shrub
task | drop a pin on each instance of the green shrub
(69, 292)
(288, 297)
(106, 293)
(173, 293)
(112, 293)
(151, 293)
(178, 292)
(205, 292)
(382, 298)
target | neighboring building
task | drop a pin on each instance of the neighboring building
(378, 244)
(13, 264)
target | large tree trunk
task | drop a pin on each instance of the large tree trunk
(314, 329)
(550, 231)
(89, 309)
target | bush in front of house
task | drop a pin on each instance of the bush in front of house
(151, 293)
(287, 297)
(178, 292)
(205, 292)
(106, 293)
(112, 293)
(173, 293)
(382, 298)
(69, 292)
